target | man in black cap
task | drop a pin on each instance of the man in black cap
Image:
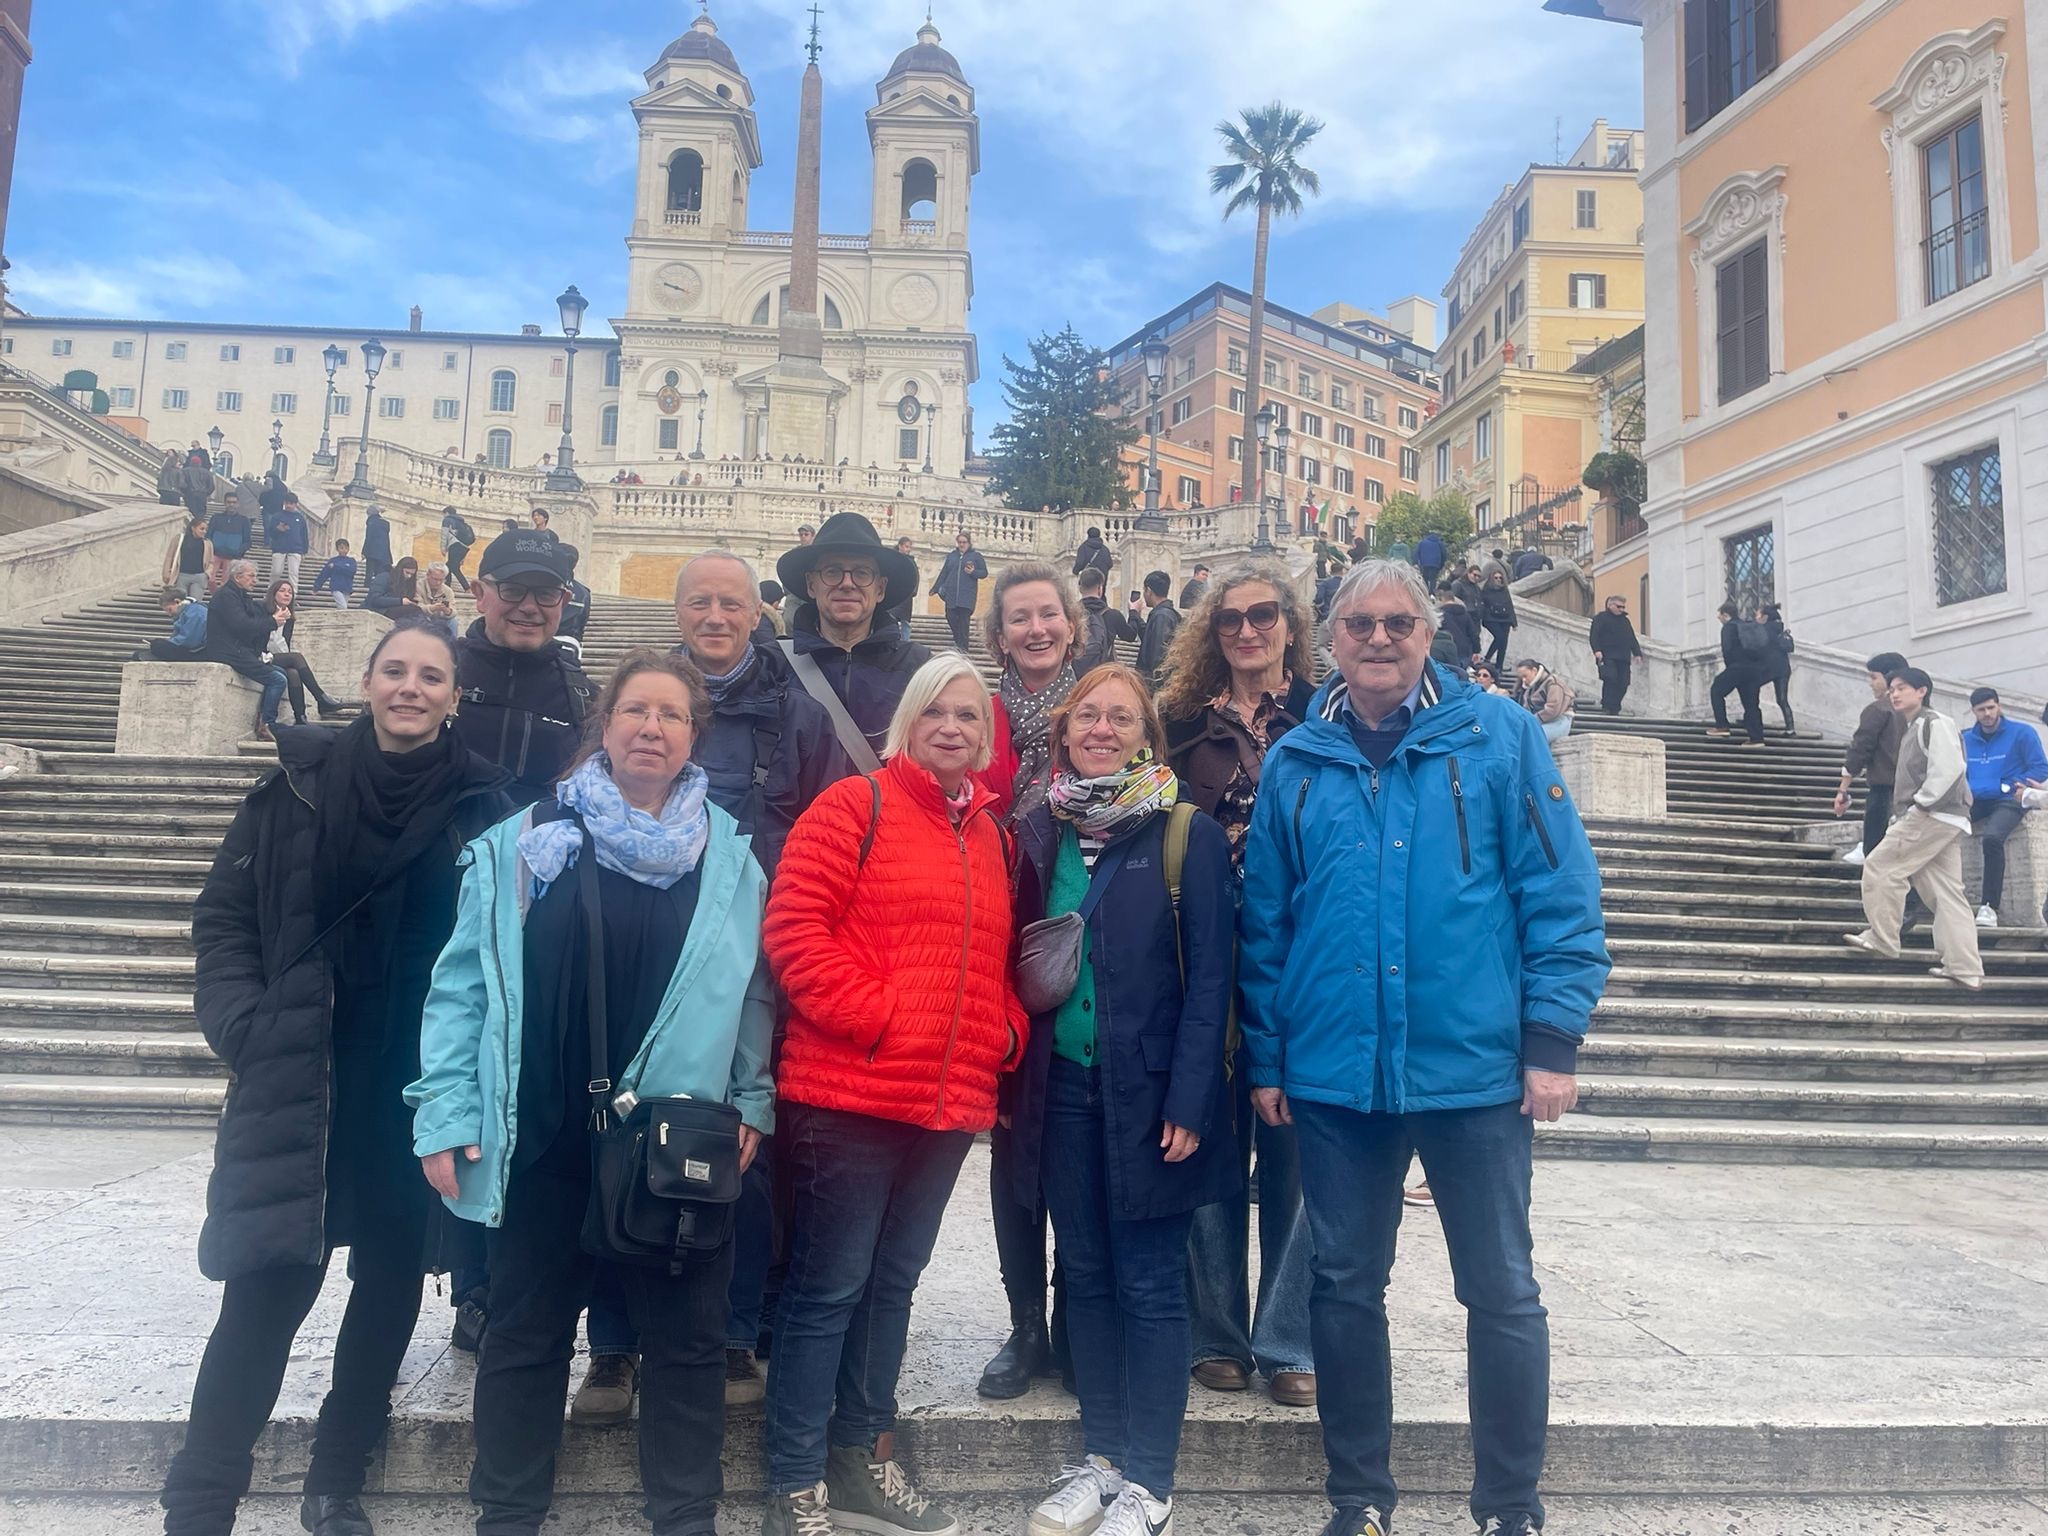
(523, 696)
(857, 669)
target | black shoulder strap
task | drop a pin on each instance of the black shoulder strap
(593, 938)
(867, 842)
(765, 738)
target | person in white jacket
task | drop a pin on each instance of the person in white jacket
(1924, 847)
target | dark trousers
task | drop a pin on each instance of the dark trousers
(243, 1368)
(1497, 642)
(868, 1197)
(1994, 821)
(457, 554)
(1429, 576)
(540, 1277)
(959, 620)
(372, 569)
(1020, 1242)
(1781, 689)
(298, 681)
(1877, 814)
(1127, 1303)
(1613, 683)
(1477, 1162)
(1746, 687)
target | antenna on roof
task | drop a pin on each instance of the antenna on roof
(812, 46)
(1557, 145)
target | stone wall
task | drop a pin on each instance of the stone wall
(29, 502)
(54, 569)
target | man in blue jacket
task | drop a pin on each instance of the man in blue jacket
(1999, 755)
(1421, 950)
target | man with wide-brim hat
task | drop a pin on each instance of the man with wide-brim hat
(846, 577)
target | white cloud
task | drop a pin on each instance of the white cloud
(147, 286)
(572, 98)
(296, 27)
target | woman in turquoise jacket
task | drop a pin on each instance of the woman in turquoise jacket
(502, 1106)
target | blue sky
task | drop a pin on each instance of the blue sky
(337, 161)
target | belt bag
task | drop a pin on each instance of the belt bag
(1049, 950)
(665, 1173)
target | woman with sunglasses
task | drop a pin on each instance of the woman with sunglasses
(1240, 676)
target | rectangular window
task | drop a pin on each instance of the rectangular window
(1482, 437)
(228, 400)
(1345, 435)
(1375, 446)
(1341, 480)
(1311, 424)
(344, 405)
(1340, 395)
(555, 365)
(1479, 349)
(608, 427)
(1280, 409)
(1237, 402)
(448, 362)
(391, 407)
(1369, 407)
(1969, 526)
(1496, 322)
(669, 434)
(1234, 451)
(1183, 408)
(1588, 210)
(60, 347)
(1958, 242)
(1749, 564)
(284, 354)
(230, 352)
(394, 359)
(1521, 222)
(1235, 362)
(447, 410)
(554, 413)
(6, 346)
(1443, 464)
(1311, 471)
(1729, 46)
(1374, 491)
(1514, 303)
(1411, 463)
(1742, 326)
(283, 404)
(909, 443)
(1410, 418)
(176, 399)
(174, 351)
(1588, 290)
(1457, 309)
(1272, 373)
(1190, 491)
(1183, 370)
(124, 349)
(1482, 515)
(1307, 386)
(124, 398)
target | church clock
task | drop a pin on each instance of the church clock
(677, 286)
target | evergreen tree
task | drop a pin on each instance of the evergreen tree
(1406, 517)
(1062, 446)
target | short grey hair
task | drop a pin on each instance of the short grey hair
(753, 576)
(1372, 575)
(240, 565)
(438, 565)
(926, 684)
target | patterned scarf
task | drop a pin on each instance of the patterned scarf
(1031, 734)
(1115, 802)
(656, 851)
(719, 686)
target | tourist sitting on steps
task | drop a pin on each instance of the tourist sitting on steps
(187, 639)
(1544, 694)
(395, 592)
(238, 630)
(315, 938)
(298, 672)
(2002, 754)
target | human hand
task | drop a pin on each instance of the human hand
(1841, 802)
(1178, 1142)
(1547, 1095)
(750, 1146)
(1271, 1103)
(440, 1169)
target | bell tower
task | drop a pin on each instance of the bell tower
(927, 148)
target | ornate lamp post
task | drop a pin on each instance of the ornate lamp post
(373, 360)
(931, 416)
(1155, 349)
(703, 395)
(332, 357)
(277, 448)
(563, 476)
(1262, 542)
(1282, 438)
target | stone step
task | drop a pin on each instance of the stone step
(131, 872)
(1680, 923)
(1768, 1018)
(98, 900)
(1706, 1137)
(87, 1100)
(95, 972)
(211, 824)
(1905, 983)
(2022, 956)
(85, 841)
(1808, 1060)
(1823, 881)
(68, 765)
(42, 933)
(106, 1053)
(1730, 1098)
(1759, 906)
(1625, 853)
(112, 1006)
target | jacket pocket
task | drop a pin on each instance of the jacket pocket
(1542, 832)
(1157, 1050)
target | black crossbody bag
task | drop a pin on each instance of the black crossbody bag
(665, 1175)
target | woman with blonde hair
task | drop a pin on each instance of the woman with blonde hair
(1035, 623)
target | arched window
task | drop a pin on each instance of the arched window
(498, 448)
(686, 181)
(920, 192)
(769, 310)
(608, 427)
(504, 390)
(224, 464)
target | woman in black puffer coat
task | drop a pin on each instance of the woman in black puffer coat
(1778, 660)
(316, 937)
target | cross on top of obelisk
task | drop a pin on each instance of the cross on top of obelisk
(812, 46)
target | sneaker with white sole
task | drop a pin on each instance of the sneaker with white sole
(1080, 1498)
(1137, 1513)
(877, 1497)
(803, 1513)
(1987, 917)
(1854, 855)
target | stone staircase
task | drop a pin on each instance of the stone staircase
(1736, 1026)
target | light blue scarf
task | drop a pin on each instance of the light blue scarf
(656, 851)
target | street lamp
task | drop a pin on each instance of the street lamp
(334, 357)
(373, 360)
(1155, 350)
(277, 448)
(1262, 542)
(563, 476)
(702, 396)
(1282, 437)
(931, 416)
(213, 440)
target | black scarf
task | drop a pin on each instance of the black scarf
(378, 812)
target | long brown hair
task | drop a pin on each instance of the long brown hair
(1195, 669)
(630, 666)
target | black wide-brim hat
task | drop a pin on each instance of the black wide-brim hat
(848, 533)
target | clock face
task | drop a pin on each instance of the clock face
(677, 286)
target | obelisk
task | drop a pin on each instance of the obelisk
(800, 391)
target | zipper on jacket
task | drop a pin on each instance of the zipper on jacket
(1458, 804)
(966, 954)
(327, 1056)
(1542, 832)
(1300, 850)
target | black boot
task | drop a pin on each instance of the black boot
(1026, 1354)
(326, 1515)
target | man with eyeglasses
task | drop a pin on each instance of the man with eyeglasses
(1421, 951)
(1615, 650)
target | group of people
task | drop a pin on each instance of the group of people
(832, 907)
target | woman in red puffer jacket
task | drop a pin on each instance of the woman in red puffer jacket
(889, 927)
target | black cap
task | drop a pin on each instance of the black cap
(527, 552)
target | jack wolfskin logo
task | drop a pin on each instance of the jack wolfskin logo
(696, 1172)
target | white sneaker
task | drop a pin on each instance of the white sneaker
(1854, 855)
(1987, 917)
(1080, 1498)
(1137, 1513)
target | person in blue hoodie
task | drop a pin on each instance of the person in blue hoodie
(2000, 755)
(1421, 949)
(505, 1102)
(284, 530)
(338, 575)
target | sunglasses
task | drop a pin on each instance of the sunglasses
(1261, 616)
(1399, 626)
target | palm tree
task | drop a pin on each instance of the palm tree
(1265, 172)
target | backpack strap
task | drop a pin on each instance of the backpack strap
(1178, 822)
(867, 842)
(815, 683)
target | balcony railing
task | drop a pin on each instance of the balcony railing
(686, 217)
(1958, 256)
(782, 239)
(921, 231)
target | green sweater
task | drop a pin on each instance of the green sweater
(1073, 1027)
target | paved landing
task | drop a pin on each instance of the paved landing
(1716, 1329)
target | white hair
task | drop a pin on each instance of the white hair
(439, 565)
(1369, 576)
(753, 576)
(926, 684)
(240, 565)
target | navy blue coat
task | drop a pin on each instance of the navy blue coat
(1160, 1047)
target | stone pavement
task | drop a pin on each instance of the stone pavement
(1717, 1331)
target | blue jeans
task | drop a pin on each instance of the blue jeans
(1558, 729)
(1127, 1305)
(868, 1197)
(1477, 1162)
(1221, 1322)
(271, 680)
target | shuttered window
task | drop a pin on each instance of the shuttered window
(1729, 46)
(1743, 321)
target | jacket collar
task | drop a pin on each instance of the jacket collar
(918, 782)
(885, 638)
(1444, 706)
